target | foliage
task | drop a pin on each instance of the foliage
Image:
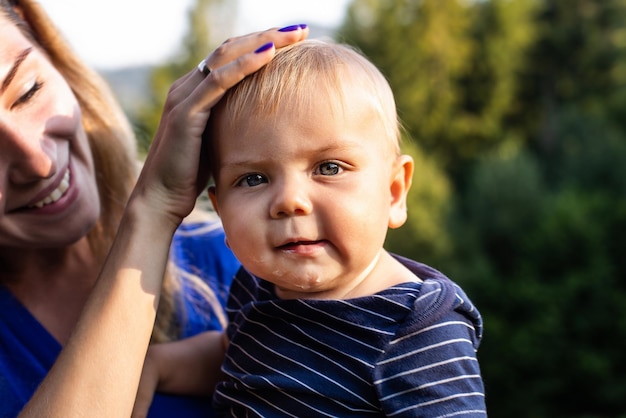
(209, 23)
(453, 68)
(516, 108)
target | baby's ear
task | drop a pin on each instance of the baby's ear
(401, 179)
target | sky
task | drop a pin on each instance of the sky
(119, 33)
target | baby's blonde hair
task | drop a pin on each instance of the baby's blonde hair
(301, 72)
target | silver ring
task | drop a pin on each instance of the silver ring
(204, 68)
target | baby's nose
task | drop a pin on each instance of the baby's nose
(291, 198)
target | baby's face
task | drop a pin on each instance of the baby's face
(306, 199)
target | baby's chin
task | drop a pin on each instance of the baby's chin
(309, 287)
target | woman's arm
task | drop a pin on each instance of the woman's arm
(98, 371)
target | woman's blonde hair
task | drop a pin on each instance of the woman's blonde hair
(110, 136)
(299, 74)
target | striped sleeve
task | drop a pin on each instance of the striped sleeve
(429, 368)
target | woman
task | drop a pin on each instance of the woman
(67, 167)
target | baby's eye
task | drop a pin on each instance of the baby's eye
(252, 180)
(329, 169)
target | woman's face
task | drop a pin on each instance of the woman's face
(48, 193)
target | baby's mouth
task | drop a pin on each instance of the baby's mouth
(56, 194)
(296, 244)
(303, 247)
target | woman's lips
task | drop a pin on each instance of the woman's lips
(56, 194)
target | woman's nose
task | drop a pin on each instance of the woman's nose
(291, 198)
(27, 160)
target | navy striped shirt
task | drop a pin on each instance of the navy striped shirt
(408, 351)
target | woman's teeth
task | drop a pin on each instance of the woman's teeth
(56, 193)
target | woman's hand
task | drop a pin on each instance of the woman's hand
(170, 179)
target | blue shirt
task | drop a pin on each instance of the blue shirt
(407, 351)
(28, 350)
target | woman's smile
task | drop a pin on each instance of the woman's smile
(56, 194)
(54, 199)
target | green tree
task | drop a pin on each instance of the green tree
(579, 59)
(452, 64)
(553, 310)
(521, 103)
(541, 256)
(210, 22)
(423, 49)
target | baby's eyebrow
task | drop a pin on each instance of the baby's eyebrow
(238, 162)
(16, 65)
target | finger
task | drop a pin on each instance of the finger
(234, 47)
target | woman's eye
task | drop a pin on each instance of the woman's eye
(26, 97)
(252, 180)
(329, 169)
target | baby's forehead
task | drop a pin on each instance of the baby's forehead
(309, 76)
(306, 98)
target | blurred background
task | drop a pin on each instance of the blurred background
(515, 114)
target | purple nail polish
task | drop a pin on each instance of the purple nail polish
(264, 47)
(289, 28)
(303, 26)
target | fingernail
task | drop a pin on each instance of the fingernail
(289, 28)
(265, 47)
(303, 26)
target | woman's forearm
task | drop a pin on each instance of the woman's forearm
(105, 354)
